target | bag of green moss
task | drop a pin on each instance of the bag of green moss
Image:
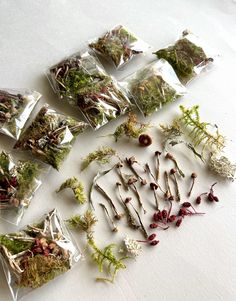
(50, 136)
(82, 81)
(154, 86)
(37, 254)
(119, 46)
(15, 109)
(188, 56)
(19, 180)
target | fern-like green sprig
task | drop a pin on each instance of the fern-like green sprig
(104, 258)
(200, 134)
(77, 188)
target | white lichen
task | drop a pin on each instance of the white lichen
(132, 247)
(223, 167)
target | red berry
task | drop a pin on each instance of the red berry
(210, 197)
(172, 218)
(164, 213)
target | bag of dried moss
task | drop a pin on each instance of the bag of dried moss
(83, 82)
(154, 86)
(50, 136)
(15, 109)
(187, 56)
(119, 46)
(19, 179)
(37, 254)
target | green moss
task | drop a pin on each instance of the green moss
(41, 269)
(13, 245)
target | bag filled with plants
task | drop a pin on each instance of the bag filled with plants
(82, 81)
(37, 254)
(187, 56)
(15, 109)
(119, 46)
(50, 136)
(154, 86)
(19, 179)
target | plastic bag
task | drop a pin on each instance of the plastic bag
(153, 86)
(37, 254)
(50, 136)
(82, 81)
(15, 109)
(119, 45)
(18, 182)
(187, 56)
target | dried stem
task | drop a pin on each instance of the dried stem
(193, 177)
(113, 207)
(140, 221)
(173, 173)
(130, 162)
(113, 226)
(157, 164)
(168, 193)
(172, 158)
(119, 172)
(131, 220)
(151, 174)
(138, 197)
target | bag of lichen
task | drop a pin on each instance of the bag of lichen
(37, 254)
(154, 86)
(189, 56)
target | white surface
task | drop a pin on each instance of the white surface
(195, 262)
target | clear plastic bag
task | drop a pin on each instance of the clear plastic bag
(37, 254)
(50, 136)
(15, 109)
(119, 45)
(153, 86)
(188, 56)
(19, 180)
(82, 81)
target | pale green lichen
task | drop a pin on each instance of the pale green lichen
(77, 188)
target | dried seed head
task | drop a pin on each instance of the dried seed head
(173, 171)
(152, 236)
(153, 186)
(143, 182)
(145, 140)
(193, 175)
(179, 222)
(210, 197)
(154, 242)
(216, 199)
(172, 218)
(171, 198)
(153, 225)
(186, 204)
(128, 199)
(198, 200)
(164, 213)
(132, 180)
(169, 156)
(157, 153)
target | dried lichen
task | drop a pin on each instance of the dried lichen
(131, 128)
(102, 155)
(222, 167)
(77, 188)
